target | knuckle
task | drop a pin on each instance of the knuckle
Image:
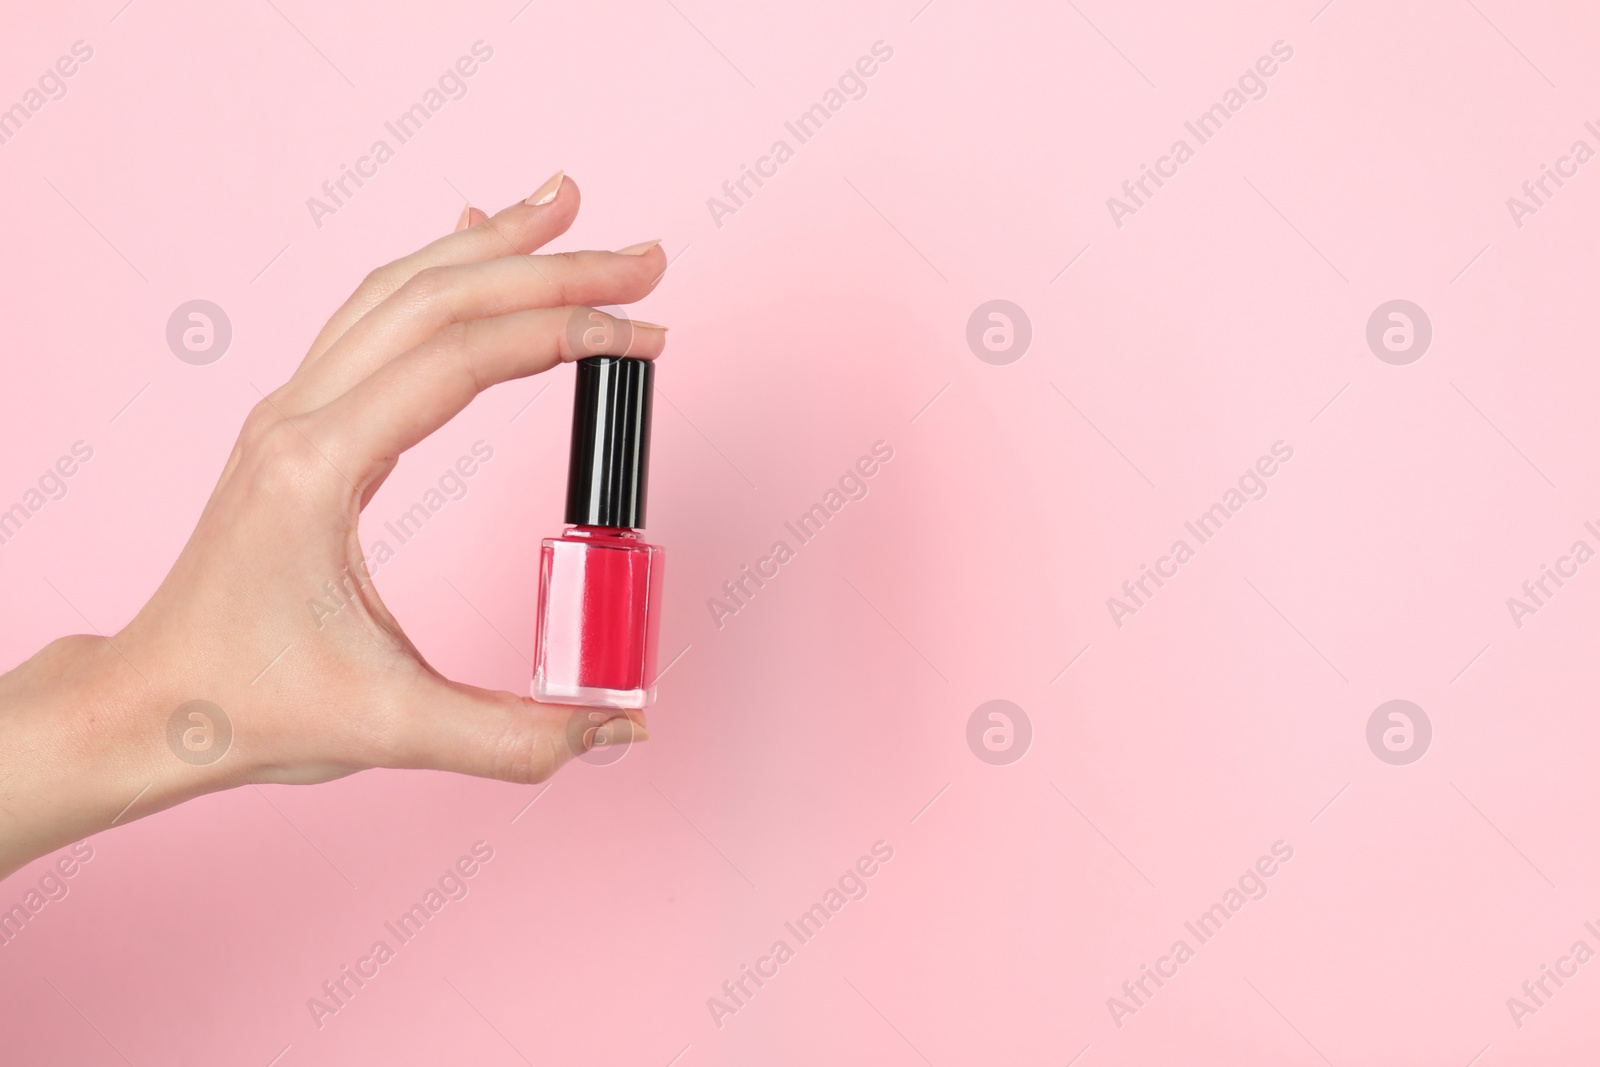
(379, 281)
(529, 756)
(429, 285)
(451, 351)
(452, 340)
(260, 417)
(561, 272)
(284, 461)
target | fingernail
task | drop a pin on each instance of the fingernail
(609, 734)
(465, 220)
(639, 249)
(548, 191)
(647, 325)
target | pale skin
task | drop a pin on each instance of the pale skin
(83, 724)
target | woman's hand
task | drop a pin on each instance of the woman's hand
(84, 725)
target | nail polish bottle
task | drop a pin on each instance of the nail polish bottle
(599, 582)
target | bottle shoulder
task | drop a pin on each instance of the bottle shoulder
(599, 539)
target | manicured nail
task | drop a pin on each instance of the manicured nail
(465, 220)
(611, 734)
(639, 249)
(548, 191)
(647, 325)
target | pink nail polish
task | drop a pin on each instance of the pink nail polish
(600, 582)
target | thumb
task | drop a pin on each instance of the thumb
(490, 733)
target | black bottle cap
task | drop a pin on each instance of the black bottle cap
(610, 463)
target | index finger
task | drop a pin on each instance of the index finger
(410, 397)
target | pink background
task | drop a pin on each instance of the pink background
(1227, 314)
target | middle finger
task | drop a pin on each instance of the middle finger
(441, 296)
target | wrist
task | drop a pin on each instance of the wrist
(82, 748)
